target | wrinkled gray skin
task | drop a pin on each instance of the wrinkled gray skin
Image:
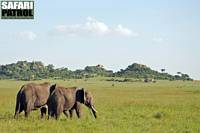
(32, 96)
(69, 99)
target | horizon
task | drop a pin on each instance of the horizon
(113, 33)
(105, 67)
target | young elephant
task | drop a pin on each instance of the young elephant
(32, 96)
(68, 99)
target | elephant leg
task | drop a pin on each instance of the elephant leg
(43, 111)
(57, 115)
(78, 110)
(54, 114)
(65, 113)
(17, 114)
(48, 114)
(59, 110)
(51, 114)
(27, 110)
(71, 111)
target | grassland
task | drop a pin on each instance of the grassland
(162, 107)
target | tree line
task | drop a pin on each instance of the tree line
(35, 70)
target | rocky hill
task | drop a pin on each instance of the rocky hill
(23, 70)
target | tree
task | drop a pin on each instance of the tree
(162, 70)
(23, 70)
(179, 73)
(185, 76)
(50, 68)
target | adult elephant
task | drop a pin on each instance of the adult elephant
(68, 99)
(32, 96)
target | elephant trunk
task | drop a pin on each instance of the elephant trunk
(94, 111)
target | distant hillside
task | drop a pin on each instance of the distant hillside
(23, 70)
(142, 71)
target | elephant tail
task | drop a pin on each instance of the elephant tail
(18, 106)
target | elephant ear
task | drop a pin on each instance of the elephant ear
(52, 88)
(80, 95)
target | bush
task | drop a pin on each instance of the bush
(158, 115)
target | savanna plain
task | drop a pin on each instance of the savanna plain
(123, 107)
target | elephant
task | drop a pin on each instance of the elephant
(69, 99)
(32, 96)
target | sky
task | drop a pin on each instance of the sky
(115, 33)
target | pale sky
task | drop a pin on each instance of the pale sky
(115, 33)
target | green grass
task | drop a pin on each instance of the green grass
(162, 107)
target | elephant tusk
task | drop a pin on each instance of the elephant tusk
(94, 109)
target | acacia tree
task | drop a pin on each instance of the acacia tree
(179, 73)
(162, 70)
